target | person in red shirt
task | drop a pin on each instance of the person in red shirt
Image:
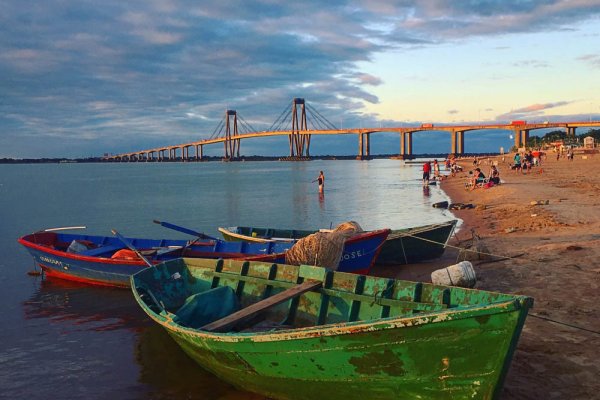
(426, 172)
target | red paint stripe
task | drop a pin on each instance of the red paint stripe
(61, 275)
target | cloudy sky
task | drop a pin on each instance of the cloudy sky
(83, 78)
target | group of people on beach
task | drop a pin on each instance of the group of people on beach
(478, 178)
(525, 162)
(427, 168)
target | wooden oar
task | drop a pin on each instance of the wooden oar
(229, 321)
(130, 247)
(178, 228)
(64, 228)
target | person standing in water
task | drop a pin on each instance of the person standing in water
(321, 181)
(436, 170)
(426, 172)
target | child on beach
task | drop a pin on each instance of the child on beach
(477, 178)
(494, 175)
(436, 170)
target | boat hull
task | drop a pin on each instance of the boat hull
(402, 246)
(413, 245)
(452, 359)
(462, 351)
(87, 270)
(49, 251)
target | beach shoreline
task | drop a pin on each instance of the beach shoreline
(542, 234)
(548, 223)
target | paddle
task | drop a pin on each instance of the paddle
(130, 247)
(64, 228)
(178, 228)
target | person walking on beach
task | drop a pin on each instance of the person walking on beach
(426, 172)
(321, 180)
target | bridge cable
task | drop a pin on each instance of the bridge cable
(248, 128)
(218, 130)
(327, 123)
(282, 118)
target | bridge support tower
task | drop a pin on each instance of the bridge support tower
(364, 146)
(406, 143)
(299, 143)
(521, 137)
(457, 139)
(232, 145)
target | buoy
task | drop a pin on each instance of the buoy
(461, 274)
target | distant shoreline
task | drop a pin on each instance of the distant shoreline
(63, 160)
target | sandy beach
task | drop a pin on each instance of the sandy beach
(553, 251)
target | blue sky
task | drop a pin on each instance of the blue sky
(83, 78)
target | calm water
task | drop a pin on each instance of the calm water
(63, 340)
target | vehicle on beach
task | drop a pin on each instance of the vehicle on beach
(289, 332)
(402, 246)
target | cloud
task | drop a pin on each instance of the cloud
(531, 63)
(591, 59)
(531, 111)
(137, 73)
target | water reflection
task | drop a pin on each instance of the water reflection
(84, 307)
(426, 192)
(102, 339)
(170, 374)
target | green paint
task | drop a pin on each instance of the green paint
(436, 342)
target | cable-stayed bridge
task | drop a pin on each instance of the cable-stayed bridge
(301, 121)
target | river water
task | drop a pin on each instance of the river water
(63, 340)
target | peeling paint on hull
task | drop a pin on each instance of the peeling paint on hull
(462, 351)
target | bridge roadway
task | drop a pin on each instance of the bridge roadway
(521, 134)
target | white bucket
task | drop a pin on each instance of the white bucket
(461, 274)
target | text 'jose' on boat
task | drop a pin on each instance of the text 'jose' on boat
(402, 246)
(110, 260)
(306, 332)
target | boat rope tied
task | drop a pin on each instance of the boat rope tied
(449, 277)
(384, 293)
(462, 248)
(375, 297)
(564, 323)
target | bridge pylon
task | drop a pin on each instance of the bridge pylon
(299, 144)
(232, 145)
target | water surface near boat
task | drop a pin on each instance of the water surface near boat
(68, 341)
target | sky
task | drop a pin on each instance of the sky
(85, 78)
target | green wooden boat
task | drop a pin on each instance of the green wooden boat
(402, 246)
(305, 332)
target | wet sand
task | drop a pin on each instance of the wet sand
(554, 252)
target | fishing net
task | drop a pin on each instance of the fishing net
(322, 248)
(349, 226)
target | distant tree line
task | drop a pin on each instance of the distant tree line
(559, 135)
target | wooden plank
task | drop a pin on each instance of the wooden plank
(225, 323)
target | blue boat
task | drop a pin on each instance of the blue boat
(106, 260)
